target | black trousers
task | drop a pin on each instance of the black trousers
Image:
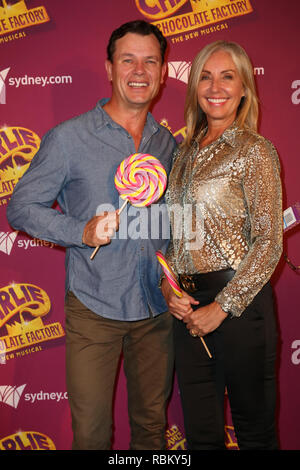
(244, 357)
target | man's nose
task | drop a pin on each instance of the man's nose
(139, 67)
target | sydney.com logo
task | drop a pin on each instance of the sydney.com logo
(194, 13)
(3, 75)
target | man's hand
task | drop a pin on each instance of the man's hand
(100, 229)
(179, 307)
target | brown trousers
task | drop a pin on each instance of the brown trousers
(93, 348)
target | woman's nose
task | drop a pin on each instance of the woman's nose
(215, 84)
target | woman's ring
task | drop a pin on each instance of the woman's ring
(193, 333)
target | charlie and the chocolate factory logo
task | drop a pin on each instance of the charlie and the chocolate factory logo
(22, 330)
(15, 17)
(17, 148)
(27, 440)
(177, 441)
(184, 17)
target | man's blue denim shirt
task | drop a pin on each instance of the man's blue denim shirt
(75, 165)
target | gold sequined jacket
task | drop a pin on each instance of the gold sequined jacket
(225, 210)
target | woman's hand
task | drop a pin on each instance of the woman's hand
(206, 319)
(179, 307)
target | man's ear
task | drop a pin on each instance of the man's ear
(108, 68)
(164, 71)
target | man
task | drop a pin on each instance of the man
(113, 303)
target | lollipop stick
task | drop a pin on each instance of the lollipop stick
(205, 346)
(120, 210)
(95, 252)
(98, 247)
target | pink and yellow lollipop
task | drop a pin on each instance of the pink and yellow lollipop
(140, 179)
(169, 274)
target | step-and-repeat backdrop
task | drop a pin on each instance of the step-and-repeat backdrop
(52, 55)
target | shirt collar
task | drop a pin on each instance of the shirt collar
(229, 135)
(103, 119)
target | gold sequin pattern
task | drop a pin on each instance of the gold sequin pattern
(225, 209)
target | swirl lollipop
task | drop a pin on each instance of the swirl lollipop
(169, 274)
(174, 285)
(140, 179)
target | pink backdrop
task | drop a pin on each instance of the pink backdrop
(51, 69)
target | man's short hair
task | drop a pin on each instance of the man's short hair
(138, 27)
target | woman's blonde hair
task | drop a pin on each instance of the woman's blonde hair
(247, 114)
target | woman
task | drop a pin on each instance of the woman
(229, 175)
